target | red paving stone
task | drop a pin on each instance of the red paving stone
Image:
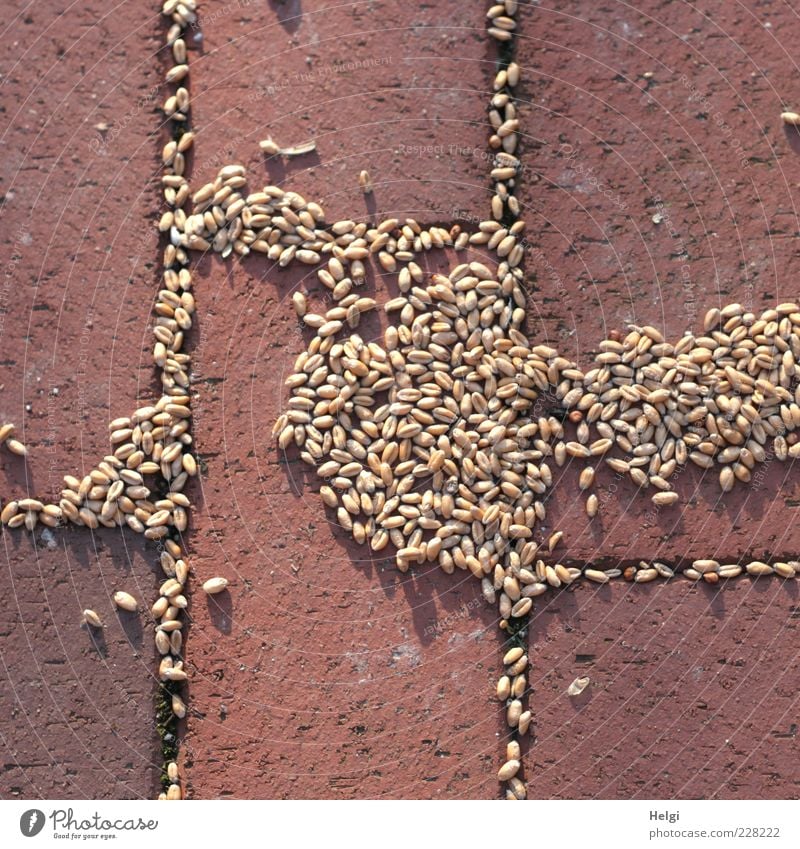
(336, 618)
(77, 706)
(78, 276)
(397, 91)
(693, 692)
(699, 143)
(319, 680)
(323, 672)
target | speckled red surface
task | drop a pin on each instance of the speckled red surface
(76, 285)
(323, 672)
(661, 183)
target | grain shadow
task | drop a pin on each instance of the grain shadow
(220, 611)
(288, 12)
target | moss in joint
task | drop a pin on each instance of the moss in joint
(167, 726)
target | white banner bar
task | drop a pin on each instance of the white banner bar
(634, 824)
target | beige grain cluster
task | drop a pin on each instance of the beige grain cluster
(725, 399)
(708, 570)
(504, 120)
(140, 484)
(442, 396)
(30, 512)
(174, 311)
(425, 444)
(7, 438)
(152, 443)
(502, 20)
(173, 792)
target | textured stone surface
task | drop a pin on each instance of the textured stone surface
(297, 687)
(323, 672)
(317, 677)
(77, 705)
(693, 692)
(651, 199)
(76, 281)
